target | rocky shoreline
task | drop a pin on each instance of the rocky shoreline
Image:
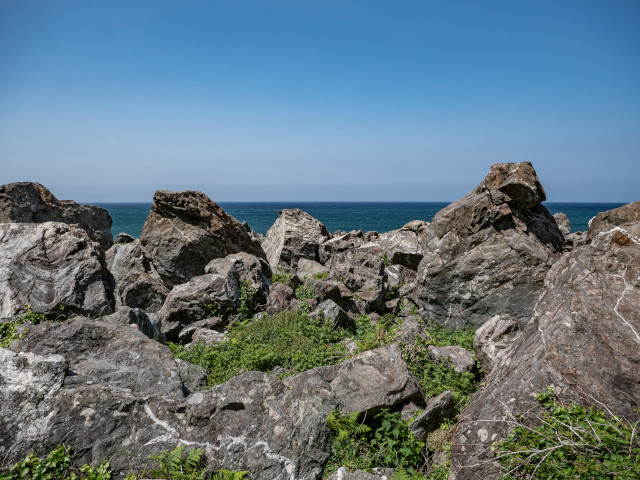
(549, 308)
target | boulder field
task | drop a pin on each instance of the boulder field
(95, 371)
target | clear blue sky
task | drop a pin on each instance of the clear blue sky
(319, 100)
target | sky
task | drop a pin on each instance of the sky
(290, 100)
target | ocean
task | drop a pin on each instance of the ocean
(345, 216)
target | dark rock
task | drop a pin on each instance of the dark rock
(331, 290)
(400, 247)
(194, 377)
(339, 243)
(29, 202)
(410, 329)
(489, 252)
(123, 238)
(186, 230)
(492, 340)
(46, 265)
(399, 275)
(293, 236)
(280, 299)
(149, 326)
(583, 339)
(437, 410)
(329, 311)
(626, 217)
(460, 359)
(361, 272)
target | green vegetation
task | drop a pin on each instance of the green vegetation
(251, 300)
(571, 442)
(281, 276)
(179, 464)
(9, 330)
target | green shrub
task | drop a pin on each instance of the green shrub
(9, 330)
(571, 442)
(281, 276)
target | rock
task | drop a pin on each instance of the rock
(329, 311)
(563, 223)
(408, 411)
(46, 265)
(489, 252)
(149, 326)
(194, 377)
(293, 236)
(331, 290)
(400, 247)
(212, 323)
(437, 410)
(196, 300)
(411, 328)
(186, 230)
(29, 202)
(366, 383)
(626, 217)
(583, 339)
(246, 268)
(339, 243)
(361, 272)
(206, 336)
(399, 275)
(280, 299)
(123, 238)
(311, 269)
(493, 339)
(460, 359)
(137, 283)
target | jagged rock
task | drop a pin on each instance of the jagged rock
(247, 268)
(206, 336)
(400, 247)
(310, 268)
(411, 328)
(408, 411)
(361, 272)
(293, 236)
(460, 359)
(626, 217)
(583, 339)
(339, 243)
(194, 377)
(399, 275)
(195, 300)
(49, 264)
(29, 202)
(149, 326)
(563, 223)
(280, 299)
(329, 311)
(137, 283)
(493, 338)
(437, 410)
(186, 230)
(212, 323)
(366, 383)
(331, 290)
(489, 252)
(123, 238)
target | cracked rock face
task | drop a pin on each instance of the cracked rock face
(584, 339)
(626, 217)
(186, 230)
(49, 264)
(489, 252)
(29, 202)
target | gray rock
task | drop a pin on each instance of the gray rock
(361, 272)
(148, 325)
(626, 217)
(460, 359)
(366, 383)
(437, 410)
(310, 268)
(186, 230)
(331, 290)
(206, 336)
(123, 238)
(411, 328)
(563, 223)
(339, 243)
(194, 301)
(400, 247)
(293, 236)
(399, 275)
(137, 283)
(29, 202)
(583, 339)
(252, 270)
(280, 299)
(492, 340)
(489, 252)
(194, 377)
(329, 311)
(49, 264)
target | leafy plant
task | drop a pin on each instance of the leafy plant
(180, 465)
(281, 276)
(9, 330)
(571, 442)
(320, 275)
(305, 292)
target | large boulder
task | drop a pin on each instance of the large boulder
(489, 252)
(48, 265)
(186, 230)
(29, 202)
(294, 235)
(627, 217)
(400, 247)
(583, 339)
(253, 271)
(493, 339)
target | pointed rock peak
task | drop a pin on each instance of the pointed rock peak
(515, 184)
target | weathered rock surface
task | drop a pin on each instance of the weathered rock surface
(310, 268)
(492, 340)
(361, 272)
(460, 359)
(194, 377)
(400, 247)
(437, 410)
(366, 383)
(294, 235)
(329, 311)
(148, 325)
(399, 275)
(186, 230)
(626, 217)
(29, 202)
(343, 241)
(137, 283)
(563, 223)
(281, 298)
(584, 339)
(49, 264)
(195, 300)
(489, 252)
(247, 268)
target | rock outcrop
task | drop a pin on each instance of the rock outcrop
(29, 202)
(489, 252)
(626, 217)
(51, 264)
(294, 235)
(584, 339)
(492, 340)
(186, 230)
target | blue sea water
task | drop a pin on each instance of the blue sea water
(345, 216)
